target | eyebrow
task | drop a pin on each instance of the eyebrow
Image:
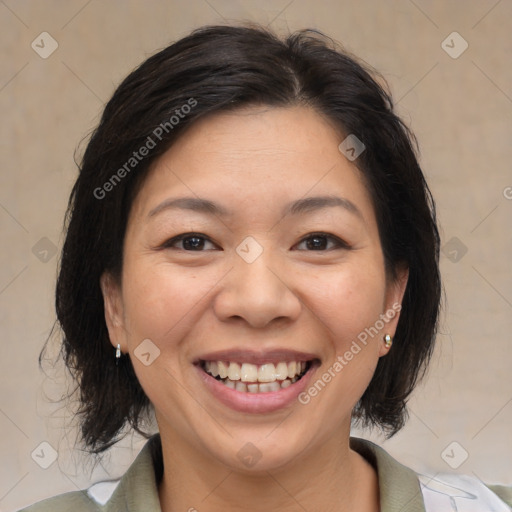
(298, 207)
(190, 203)
(309, 204)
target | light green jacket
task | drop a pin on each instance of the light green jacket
(401, 489)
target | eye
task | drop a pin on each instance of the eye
(321, 242)
(190, 242)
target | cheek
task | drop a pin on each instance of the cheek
(345, 304)
(348, 301)
(162, 303)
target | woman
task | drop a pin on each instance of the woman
(252, 256)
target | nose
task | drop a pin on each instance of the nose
(257, 294)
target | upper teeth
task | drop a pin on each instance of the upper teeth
(247, 372)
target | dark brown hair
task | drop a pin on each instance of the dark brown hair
(214, 69)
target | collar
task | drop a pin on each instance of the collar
(137, 490)
(399, 486)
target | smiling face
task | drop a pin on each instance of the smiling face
(252, 263)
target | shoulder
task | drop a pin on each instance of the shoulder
(503, 491)
(78, 501)
(138, 489)
(92, 499)
(401, 488)
(464, 492)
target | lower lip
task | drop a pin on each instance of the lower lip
(255, 402)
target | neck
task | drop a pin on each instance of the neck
(331, 478)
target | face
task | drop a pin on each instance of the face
(253, 300)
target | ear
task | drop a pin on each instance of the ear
(113, 305)
(394, 295)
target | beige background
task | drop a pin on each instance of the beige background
(460, 109)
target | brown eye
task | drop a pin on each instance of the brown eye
(321, 242)
(189, 242)
(316, 243)
(193, 243)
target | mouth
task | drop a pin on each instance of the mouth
(256, 382)
(253, 378)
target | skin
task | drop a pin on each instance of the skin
(253, 162)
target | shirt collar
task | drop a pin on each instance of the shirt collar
(137, 491)
(399, 486)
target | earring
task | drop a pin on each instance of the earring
(118, 353)
(388, 341)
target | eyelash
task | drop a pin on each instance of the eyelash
(339, 244)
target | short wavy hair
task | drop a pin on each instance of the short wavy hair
(223, 68)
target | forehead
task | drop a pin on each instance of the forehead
(260, 134)
(261, 155)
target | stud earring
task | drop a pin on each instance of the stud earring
(118, 353)
(388, 341)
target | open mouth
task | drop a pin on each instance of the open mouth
(253, 378)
